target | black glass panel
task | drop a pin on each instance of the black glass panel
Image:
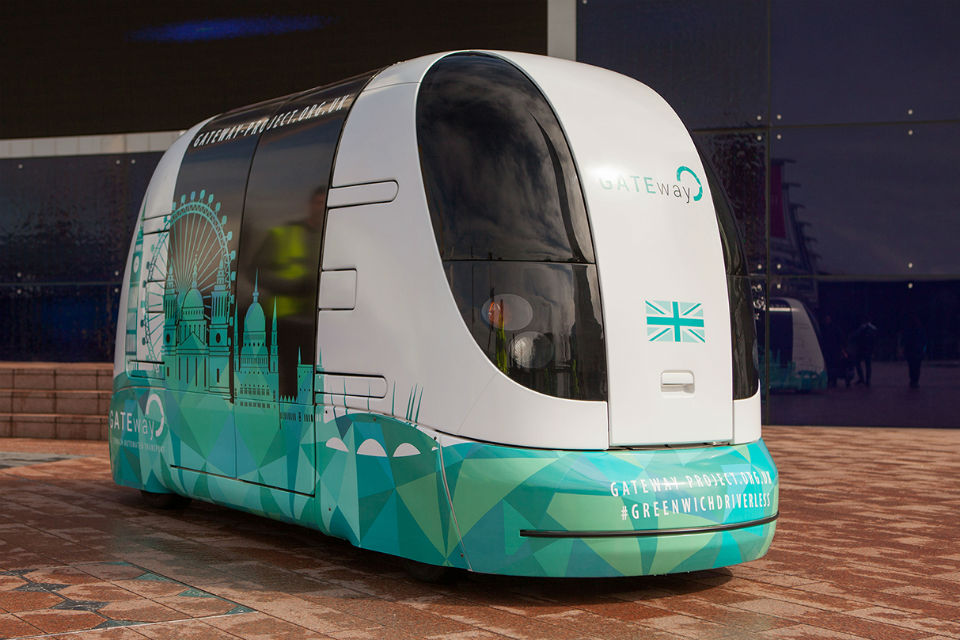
(735, 167)
(873, 200)
(743, 333)
(743, 337)
(69, 219)
(709, 60)
(864, 61)
(887, 352)
(499, 176)
(283, 222)
(539, 323)
(219, 156)
(58, 323)
(758, 291)
(734, 259)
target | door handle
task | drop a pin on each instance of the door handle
(677, 382)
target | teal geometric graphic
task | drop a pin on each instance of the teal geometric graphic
(192, 349)
(206, 420)
(671, 321)
(383, 484)
(498, 492)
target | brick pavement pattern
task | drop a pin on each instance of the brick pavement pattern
(867, 547)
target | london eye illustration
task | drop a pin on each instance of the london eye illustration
(192, 249)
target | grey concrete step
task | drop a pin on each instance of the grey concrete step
(53, 425)
(55, 399)
(56, 375)
(92, 403)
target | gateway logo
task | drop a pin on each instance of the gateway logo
(682, 188)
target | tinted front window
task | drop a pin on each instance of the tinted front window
(499, 177)
(511, 225)
(539, 323)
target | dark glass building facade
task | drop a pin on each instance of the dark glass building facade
(833, 128)
(65, 230)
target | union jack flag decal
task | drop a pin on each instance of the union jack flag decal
(673, 321)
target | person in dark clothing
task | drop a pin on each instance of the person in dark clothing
(914, 348)
(834, 351)
(864, 339)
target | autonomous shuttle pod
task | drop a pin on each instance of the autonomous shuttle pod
(476, 310)
(796, 359)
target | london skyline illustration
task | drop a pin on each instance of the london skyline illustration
(196, 352)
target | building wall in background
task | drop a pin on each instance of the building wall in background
(103, 66)
(79, 71)
(834, 129)
(65, 229)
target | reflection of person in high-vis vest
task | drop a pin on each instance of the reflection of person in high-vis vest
(288, 261)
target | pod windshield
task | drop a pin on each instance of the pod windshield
(511, 224)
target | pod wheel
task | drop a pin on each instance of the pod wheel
(429, 573)
(164, 500)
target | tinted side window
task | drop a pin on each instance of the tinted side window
(283, 222)
(198, 249)
(500, 180)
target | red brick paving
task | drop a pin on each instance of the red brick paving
(12, 627)
(866, 548)
(53, 621)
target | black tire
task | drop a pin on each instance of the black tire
(164, 500)
(429, 573)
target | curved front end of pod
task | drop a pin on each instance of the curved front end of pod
(614, 513)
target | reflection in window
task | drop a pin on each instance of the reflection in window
(743, 335)
(499, 176)
(283, 223)
(507, 210)
(889, 350)
(746, 379)
(539, 323)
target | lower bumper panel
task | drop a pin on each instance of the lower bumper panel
(643, 533)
